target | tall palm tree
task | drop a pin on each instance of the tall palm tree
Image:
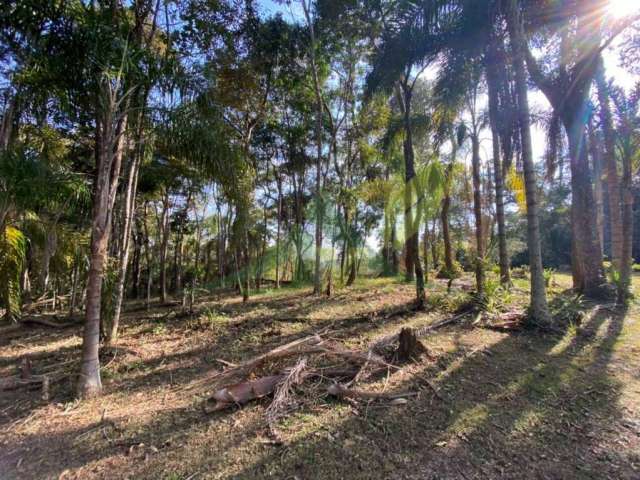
(539, 311)
(578, 28)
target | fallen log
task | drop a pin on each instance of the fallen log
(502, 322)
(244, 392)
(340, 391)
(15, 382)
(46, 323)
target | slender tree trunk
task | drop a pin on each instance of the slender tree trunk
(446, 235)
(8, 124)
(148, 258)
(434, 244)
(164, 233)
(278, 230)
(317, 279)
(395, 261)
(539, 311)
(596, 167)
(50, 246)
(493, 91)
(128, 217)
(411, 225)
(74, 288)
(477, 212)
(626, 261)
(610, 167)
(425, 250)
(137, 252)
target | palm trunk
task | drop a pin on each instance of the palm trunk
(74, 288)
(596, 167)
(395, 261)
(137, 252)
(492, 82)
(477, 212)
(148, 258)
(611, 169)
(446, 235)
(128, 217)
(317, 280)
(425, 250)
(587, 258)
(539, 311)
(164, 233)
(109, 146)
(412, 248)
(626, 261)
(49, 250)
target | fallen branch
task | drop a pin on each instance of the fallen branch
(504, 322)
(301, 346)
(341, 391)
(46, 323)
(15, 382)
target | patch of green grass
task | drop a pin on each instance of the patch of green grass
(159, 329)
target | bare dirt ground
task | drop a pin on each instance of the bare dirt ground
(490, 404)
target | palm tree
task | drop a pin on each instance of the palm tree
(567, 88)
(610, 165)
(495, 68)
(538, 309)
(627, 109)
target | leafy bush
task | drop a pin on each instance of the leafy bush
(567, 310)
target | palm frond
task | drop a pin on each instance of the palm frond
(13, 248)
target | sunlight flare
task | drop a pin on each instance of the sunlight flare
(623, 8)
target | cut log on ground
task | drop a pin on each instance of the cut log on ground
(341, 391)
(46, 323)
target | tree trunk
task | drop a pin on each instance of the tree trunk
(317, 280)
(494, 114)
(477, 212)
(539, 311)
(50, 247)
(411, 225)
(164, 232)
(74, 288)
(128, 217)
(610, 167)
(425, 250)
(109, 146)
(137, 252)
(395, 261)
(446, 235)
(148, 258)
(279, 227)
(626, 261)
(596, 167)
(587, 258)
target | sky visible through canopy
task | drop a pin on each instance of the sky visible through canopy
(292, 11)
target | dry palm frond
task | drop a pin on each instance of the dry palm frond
(283, 400)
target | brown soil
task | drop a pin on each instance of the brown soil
(491, 404)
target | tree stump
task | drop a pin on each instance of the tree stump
(409, 347)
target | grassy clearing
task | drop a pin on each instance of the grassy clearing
(512, 405)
